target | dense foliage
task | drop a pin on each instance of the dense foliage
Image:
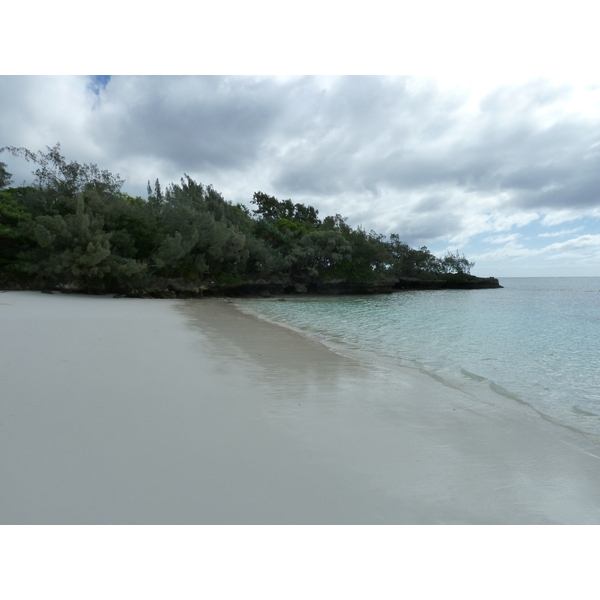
(76, 227)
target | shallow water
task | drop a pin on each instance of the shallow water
(537, 340)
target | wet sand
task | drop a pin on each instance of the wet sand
(128, 411)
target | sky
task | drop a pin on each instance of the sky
(498, 162)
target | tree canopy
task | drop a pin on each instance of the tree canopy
(76, 227)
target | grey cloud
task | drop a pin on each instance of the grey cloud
(574, 193)
(422, 230)
(313, 177)
(197, 123)
(430, 204)
(365, 134)
(357, 131)
(368, 134)
(503, 156)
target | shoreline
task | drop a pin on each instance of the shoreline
(126, 411)
(484, 389)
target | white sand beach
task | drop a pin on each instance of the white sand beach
(130, 411)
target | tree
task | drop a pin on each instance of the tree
(271, 209)
(73, 249)
(320, 252)
(268, 207)
(55, 173)
(456, 263)
(76, 227)
(306, 214)
(5, 176)
(12, 215)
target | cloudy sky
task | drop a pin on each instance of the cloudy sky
(503, 167)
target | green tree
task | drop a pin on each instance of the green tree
(54, 173)
(268, 207)
(272, 210)
(454, 262)
(76, 227)
(5, 176)
(12, 241)
(74, 250)
(320, 252)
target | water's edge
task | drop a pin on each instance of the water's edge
(585, 422)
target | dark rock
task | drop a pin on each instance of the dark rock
(447, 282)
(277, 286)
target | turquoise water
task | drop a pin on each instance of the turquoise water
(537, 340)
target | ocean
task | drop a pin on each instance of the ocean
(535, 341)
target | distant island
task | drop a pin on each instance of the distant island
(75, 230)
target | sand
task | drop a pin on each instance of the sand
(130, 411)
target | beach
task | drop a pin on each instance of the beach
(131, 411)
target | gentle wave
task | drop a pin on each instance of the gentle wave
(537, 341)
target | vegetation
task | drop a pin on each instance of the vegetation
(75, 228)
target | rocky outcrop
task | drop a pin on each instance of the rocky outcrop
(449, 282)
(332, 287)
(181, 288)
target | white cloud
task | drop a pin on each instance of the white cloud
(583, 241)
(560, 233)
(503, 239)
(583, 247)
(510, 251)
(566, 215)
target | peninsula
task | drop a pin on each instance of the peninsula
(75, 230)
